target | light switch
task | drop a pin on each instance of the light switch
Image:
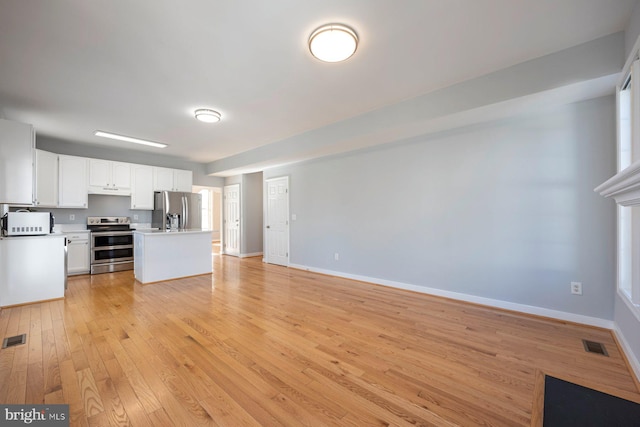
(294, 217)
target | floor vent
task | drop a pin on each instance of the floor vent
(594, 347)
(17, 340)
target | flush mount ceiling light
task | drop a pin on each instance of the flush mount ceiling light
(208, 116)
(333, 42)
(129, 139)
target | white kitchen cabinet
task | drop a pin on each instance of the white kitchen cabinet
(78, 252)
(183, 180)
(17, 144)
(142, 187)
(166, 179)
(162, 179)
(72, 182)
(108, 177)
(46, 190)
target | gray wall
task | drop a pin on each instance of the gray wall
(252, 213)
(504, 210)
(633, 30)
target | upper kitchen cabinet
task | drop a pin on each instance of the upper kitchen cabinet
(142, 187)
(17, 145)
(46, 190)
(72, 183)
(165, 179)
(107, 177)
(183, 180)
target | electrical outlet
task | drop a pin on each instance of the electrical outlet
(576, 288)
(72, 217)
(135, 217)
(336, 256)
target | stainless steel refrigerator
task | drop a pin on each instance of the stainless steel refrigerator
(175, 210)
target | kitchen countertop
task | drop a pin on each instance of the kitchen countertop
(157, 232)
(72, 228)
(40, 236)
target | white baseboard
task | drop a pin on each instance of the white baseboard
(633, 360)
(523, 308)
(250, 255)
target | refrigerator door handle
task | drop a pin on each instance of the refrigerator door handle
(185, 212)
(166, 203)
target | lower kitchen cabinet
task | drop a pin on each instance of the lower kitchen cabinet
(78, 252)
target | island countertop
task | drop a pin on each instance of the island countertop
(156, 232)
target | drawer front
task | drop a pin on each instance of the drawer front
(77, 236)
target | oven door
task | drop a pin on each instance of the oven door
(109, 239)
(108, 247)
(110, 255)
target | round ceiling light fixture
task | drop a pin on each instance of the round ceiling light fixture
(207, 115)
(333, 42)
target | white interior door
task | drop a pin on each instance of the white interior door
(277, 221)
(232, 219)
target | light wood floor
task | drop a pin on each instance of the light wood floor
(255, 344)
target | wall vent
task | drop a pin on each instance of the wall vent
(17, 340)
(594, 347)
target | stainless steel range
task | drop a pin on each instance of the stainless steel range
(111, 244)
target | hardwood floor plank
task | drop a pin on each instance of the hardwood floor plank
(72, 393)
(90, 395)
(55, 398)
(46, 317)
(113, 407)
(34, 392)
(4, 322)
(131, 374)
(6, 363)
(16, 386)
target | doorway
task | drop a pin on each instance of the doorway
(231, 221)
(277, 221)
(211, 210)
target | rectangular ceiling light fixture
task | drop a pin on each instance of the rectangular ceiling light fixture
(129, 139)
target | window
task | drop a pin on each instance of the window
(624, 212)
(628, 151)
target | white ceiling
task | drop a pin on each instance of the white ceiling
(140, 68)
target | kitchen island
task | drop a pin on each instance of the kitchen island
(170, 254)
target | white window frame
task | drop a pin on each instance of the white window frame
(627, 153)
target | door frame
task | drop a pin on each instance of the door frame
(265, 216)
(223, 243)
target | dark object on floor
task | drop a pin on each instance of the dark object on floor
(567, 405)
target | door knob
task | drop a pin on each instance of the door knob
(268, 226)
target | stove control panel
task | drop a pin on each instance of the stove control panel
(108, 220)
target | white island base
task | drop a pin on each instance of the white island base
(164, 255)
